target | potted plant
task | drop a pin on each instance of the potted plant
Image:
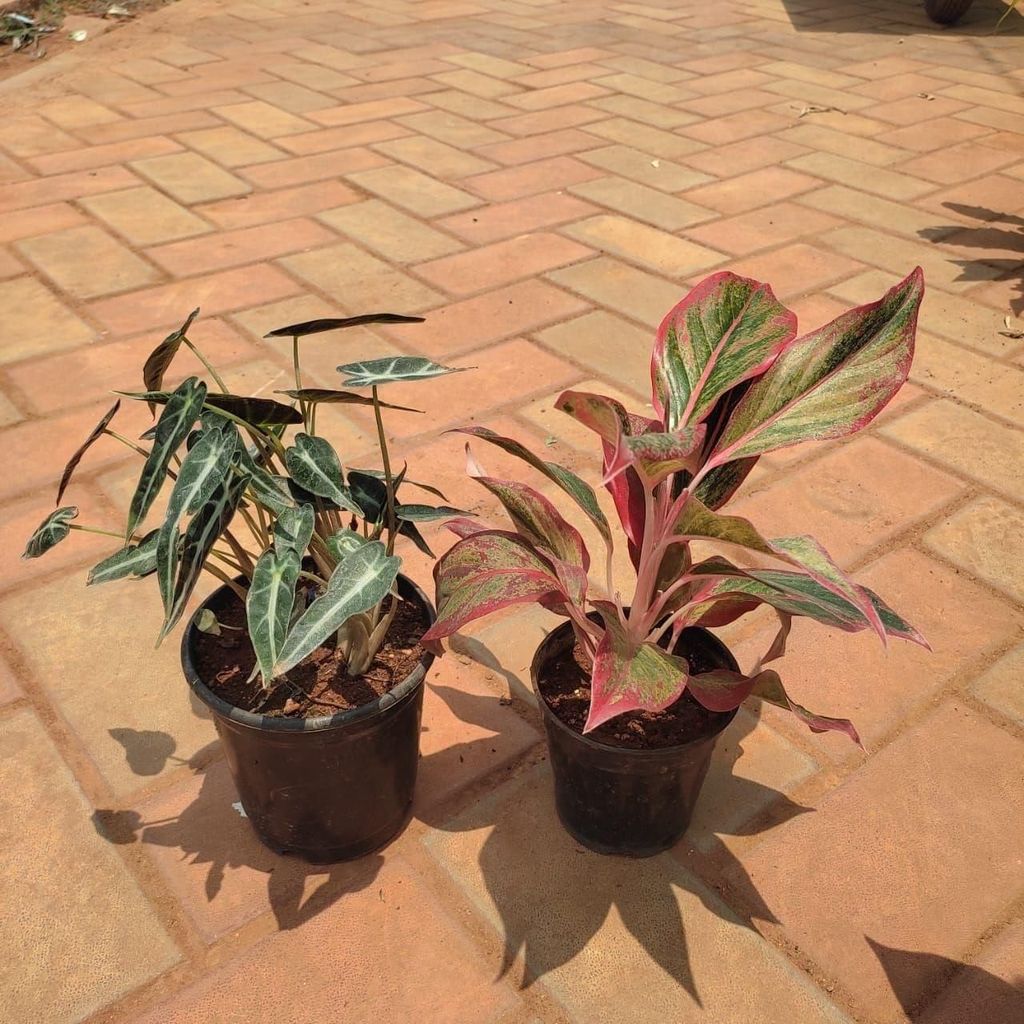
(308, 655)
(634, 692)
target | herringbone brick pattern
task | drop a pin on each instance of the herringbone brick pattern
(541, 180)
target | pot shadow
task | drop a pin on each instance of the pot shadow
(1001, 232)
(551, 896)
(210, 830)
(966, 994)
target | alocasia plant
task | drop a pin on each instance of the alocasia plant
(305, 543)
(731, 380)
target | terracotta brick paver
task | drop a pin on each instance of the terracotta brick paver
(541, 181)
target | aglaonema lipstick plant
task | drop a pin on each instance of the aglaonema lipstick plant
(307, 544)
(731, 380)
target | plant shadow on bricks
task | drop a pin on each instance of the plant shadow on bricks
(551, 897)
(1001, 232)
(965, 993)
(210, 831)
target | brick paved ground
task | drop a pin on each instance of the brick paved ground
(541, 179)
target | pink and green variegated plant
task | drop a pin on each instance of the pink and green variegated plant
(731, 381)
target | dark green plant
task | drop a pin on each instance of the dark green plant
(317, 556)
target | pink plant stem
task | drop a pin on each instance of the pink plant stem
(647, 570)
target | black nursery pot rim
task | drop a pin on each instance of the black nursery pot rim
(558, 636)
(268, 723)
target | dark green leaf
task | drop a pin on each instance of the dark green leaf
(133, 560)
(174, 425)
(257, 412)
(360, 581)
(410, 530)
(52, 530)
(294, 529)
(319, 326)
(427, 513)
(315, 466)
(203, 531)
(370, 494)
(269, 604)
(324, 396)
(96, 433)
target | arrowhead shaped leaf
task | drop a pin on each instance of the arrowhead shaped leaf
(370, 494)
(371, 373)
(361, 580)
(94, 435)
(133, 560)
(173, 426)
(831, 382)
(487, 571)
(580, 491)
(728, 329)
(293, 529)
(319, 326)
(161, 357)
(266, 488)
(315, 466)
(629, 676)
(52, 530)
(325, 396)
(269, 603)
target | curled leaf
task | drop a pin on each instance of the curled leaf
(95, 434)
(51, 531)
(308, 327)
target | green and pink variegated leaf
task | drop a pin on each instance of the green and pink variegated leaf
(697, 522)
(658, 455)
(722, 690)
(791, 592)
(485, 572)
(608, 418)
(629, 676)
(727, 330)
(829, 383)
(580, 491)
(538, 521)
(769, 688)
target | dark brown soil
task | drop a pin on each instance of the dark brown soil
(320, 685)
(565, 687)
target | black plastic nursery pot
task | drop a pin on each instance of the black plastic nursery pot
(616, 800)
(330, 788)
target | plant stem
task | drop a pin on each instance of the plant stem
(388, 481)
(240, 592)
(125, 441)
(303, 407)
(96, 529)
(209, 366)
